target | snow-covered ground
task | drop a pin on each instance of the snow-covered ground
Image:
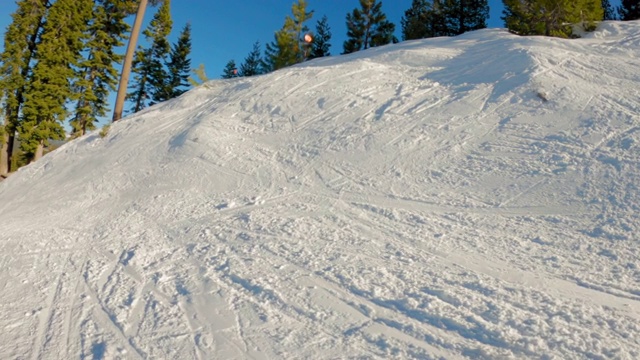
(470, 197)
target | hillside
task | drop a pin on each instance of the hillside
(472, 197)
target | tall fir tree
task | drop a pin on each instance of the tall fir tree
(416, 20)
(51, 87)
(288, 47)
(466, 15)
(322, 39)
(551, 17)
(609, 13)
(20, 41)
(97, 75)
(629, 10)
(230, 70)
(179, 65)
(148, 66)
(252, 63)
(368, 27)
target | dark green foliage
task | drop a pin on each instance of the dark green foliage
(439, 19)
(609, 13)
(230, 70)
(179, 65)
(252, 63)
(20, 41)
(50, 86)
(151, 79)
(368, 27)
(416, 22)
(97, 75)
(465, 15)
(551, 17)
(629, 10)
(322, 39)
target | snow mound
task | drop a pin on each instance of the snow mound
(468, 197)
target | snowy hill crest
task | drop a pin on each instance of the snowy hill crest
(468, 197)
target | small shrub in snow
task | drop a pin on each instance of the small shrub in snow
(104, 131)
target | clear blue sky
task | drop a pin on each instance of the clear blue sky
(225, 30)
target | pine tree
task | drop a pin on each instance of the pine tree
(438, 19)
(20, 41)
(416, 21)
(179, 64)
(280, 52)
(322, 39)
(609, 13)
(230, 70)
(368, 27)
(466, 15)
(151, 79)
(551, 17)
(58, 53)
(629, 10)
(97, 75)
(252, 63)
(288, 47)
(129, 57)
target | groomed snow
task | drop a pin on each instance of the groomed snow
(471, 197)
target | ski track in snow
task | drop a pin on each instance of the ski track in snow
(421, 200)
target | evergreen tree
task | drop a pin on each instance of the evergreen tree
(466, 15)
(97, 74)
(609, 13)
(252, 63)
(551, 17)
(129, 57)
(416, 21)
(151, 80)
(439, 19)
(230, 70)
(280, 52)
(288, 47)
(368, 27)
(20, 41)
(201, 76)
(629, 10)
(321, 40)
(50, 87)
(179, 64)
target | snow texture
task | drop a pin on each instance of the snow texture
(473, 197)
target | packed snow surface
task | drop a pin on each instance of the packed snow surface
(471, 197)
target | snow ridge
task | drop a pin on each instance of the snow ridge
(426, 200)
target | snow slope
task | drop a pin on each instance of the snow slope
(471, 197)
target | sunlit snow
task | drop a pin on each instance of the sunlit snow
(474, 197)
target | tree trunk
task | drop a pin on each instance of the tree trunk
(6, 146)
(39, 152)
(4, 156)
(128, 59)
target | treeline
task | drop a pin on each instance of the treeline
(367, 26)
(52, 75)
(58, 67)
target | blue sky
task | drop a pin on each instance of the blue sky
(225, 30)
